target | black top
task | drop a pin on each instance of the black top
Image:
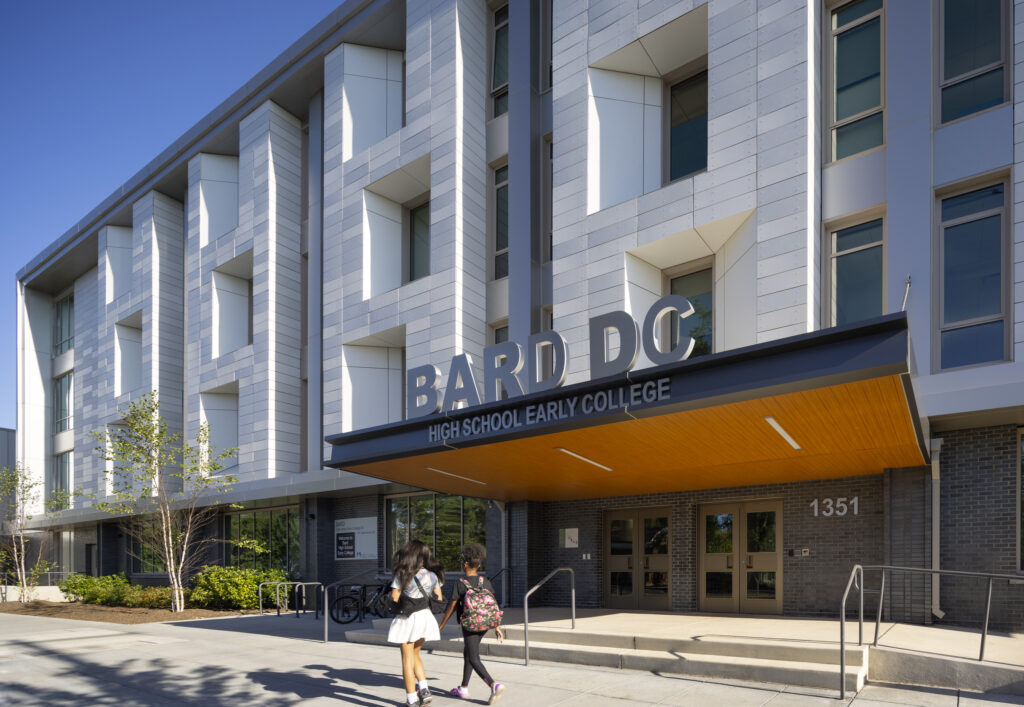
(460, 592)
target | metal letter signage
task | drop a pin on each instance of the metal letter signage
(503, 364)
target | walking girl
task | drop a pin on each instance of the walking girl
(417, 576)
(478, 613)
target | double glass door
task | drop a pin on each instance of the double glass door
(740, 557)
(638, 559)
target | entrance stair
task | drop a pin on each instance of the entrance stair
(792, 662)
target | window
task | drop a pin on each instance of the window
(63, 403)
(856, 115)
(146, 560)
(419, 242)
(697, 288)
(60, 476)
(64, 325)
(973, 75)
(501, 334)
(546, 198)
(501, 222)
(972, 291)
(263, 539)
(688, 126)
(855, 273)
(499, 67)
(443, 522)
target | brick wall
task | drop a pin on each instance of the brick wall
(813, 585)
(908, 542)
(979, 480)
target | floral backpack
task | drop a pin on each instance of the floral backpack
(480, 610)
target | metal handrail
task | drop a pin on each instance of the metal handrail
(526, 605)
(326, 588)
(277, 595)
(858, 571)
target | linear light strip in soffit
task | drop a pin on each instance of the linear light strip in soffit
(782, 433)
(584, 459)
(448, 473)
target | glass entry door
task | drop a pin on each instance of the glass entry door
(637, 559)
(740, 557)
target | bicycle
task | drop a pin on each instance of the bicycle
(356, 603)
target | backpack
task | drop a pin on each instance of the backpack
(480, 610)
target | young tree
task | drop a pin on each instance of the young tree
(20, 494)
(164, 489)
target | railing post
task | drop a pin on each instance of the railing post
(572, 595)
(881, 599)
(277, 597)
(323, 599)
(860, 611)
(988, 609)
(526, 629)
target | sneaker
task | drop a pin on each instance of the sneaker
(461, 692)
(425, 696)
(496, 690)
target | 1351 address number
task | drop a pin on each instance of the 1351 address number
(836, 507)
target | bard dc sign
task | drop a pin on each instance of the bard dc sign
(506, 366)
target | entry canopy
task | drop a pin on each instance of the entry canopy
(833, 403)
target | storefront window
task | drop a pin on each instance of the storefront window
(443, 522)
(271, 539)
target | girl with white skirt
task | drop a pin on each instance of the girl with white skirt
(417, 574)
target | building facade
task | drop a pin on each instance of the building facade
(425, 272)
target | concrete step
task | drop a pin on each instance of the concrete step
(743, 667)
(802, 651)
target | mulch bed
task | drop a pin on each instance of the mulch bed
(110, 614)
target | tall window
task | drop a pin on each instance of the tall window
(856, 115)
(63, 402)
(696, 287)
(501, 222)
(973, 75)
(855, 273)
(972, 292)
(63, 325)
(445, 523)
(688, 126)
(269, 539)
(499, 67)
(60, 475)
(145, 560)
(419, 242)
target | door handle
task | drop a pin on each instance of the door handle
(728, 562)
(647, 563)
(629, 563)
(750, 561)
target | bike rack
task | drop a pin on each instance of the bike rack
(326, 589)
(526, 605)
(301, 587)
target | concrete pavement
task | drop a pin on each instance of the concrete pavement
(279, 661)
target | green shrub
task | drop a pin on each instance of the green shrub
(76, 586)
(107, 590)
(218, 587)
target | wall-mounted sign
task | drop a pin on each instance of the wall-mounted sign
(503, 363)
(355, 539)
(568, 537)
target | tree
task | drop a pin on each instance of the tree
(164, 489)
(20, 494)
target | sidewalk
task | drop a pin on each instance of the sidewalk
(280, 661)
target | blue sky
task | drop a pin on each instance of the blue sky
(92, 91)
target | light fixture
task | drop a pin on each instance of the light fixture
(584, 459)
(448, 473)
(782, 433)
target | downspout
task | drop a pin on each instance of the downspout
(936, 545)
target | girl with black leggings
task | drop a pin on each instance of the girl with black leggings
(473, 556)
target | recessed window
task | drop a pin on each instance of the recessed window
(855, 273)
(501, 222)
(688, 126)
(697, 288)
(499, 65)
(63, 402)
(270, 539)
(64, 325)
(443, 522)
(972, 291)
(419, 242)
(856, 115)
(59, 481)
(973, 66)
